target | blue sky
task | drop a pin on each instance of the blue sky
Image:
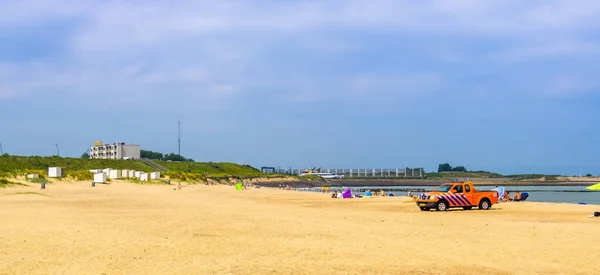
(507, 86)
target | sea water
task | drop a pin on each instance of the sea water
(554, 194)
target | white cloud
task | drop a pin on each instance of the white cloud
(217, 48)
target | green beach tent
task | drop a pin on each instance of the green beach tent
(595, 187)
(239, 186)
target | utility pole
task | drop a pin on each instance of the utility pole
(178, 138)
(1, 151)
(57, 152)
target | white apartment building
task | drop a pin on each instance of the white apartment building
(118, 150)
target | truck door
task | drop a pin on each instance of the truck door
(458, 196)
(469, 195)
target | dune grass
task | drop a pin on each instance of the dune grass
(150, 182)
(6, 183)
(211, 169)
(9, 164)
(78, 168)
(28, 193)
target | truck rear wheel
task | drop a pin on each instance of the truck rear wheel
(442, 206)
(468, 207)
(485, 204)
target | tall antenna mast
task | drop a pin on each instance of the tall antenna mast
(57, 152)
(178, 138)
(1, 151)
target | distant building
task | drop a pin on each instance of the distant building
(118, 150)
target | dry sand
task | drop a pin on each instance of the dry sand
(124, 228)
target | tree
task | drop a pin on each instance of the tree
(160, 156)
(85, 155)
(459, 169)
(151, 155)
(174, 157)
(589, 175)
(444, 167)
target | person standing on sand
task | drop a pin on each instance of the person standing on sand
(179, 186)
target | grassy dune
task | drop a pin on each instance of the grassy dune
(77, 168)
(6, 183)
(19, 163)
(211, 168)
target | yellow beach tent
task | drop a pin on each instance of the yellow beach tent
(595, 187)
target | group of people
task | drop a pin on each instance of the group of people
(340, 195)
(285, 186)
(368, 193)
(506, 197)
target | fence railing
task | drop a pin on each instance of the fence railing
(363, 172)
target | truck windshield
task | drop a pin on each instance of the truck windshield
(443, 188)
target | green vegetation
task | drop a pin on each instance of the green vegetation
(81, 175)
(151, 182)
(18, 163)
(28, 193)
(5, 183)
(212, 169)
(160, 156)
(38, 180)
(445, 167)
(184, 176)
(78, 168)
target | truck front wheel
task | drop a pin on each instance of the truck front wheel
(485, 204)
(442, 206)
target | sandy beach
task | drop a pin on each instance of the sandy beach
(125, 228)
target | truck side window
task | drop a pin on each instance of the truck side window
(467, 188)
(458, 189)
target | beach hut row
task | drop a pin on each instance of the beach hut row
(100, 175)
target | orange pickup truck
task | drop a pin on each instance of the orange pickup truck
(455, 195)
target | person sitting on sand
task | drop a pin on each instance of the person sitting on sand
(517, 196)
(334, 195)
(410, 195)
(506, 196)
